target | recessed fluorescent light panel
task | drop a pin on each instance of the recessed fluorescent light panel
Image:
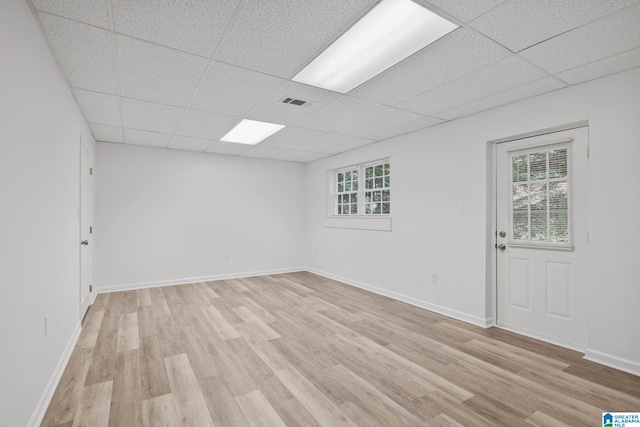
(251, 132)
(392, 31)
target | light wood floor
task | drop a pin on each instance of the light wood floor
(302, 350)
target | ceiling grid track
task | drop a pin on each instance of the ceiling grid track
(204, 76)
(116, 65)
(191, 71)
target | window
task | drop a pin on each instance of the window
(347, 200)
(363, 189)
(541, 196)
(377, 194)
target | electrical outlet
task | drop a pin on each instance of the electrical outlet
(46, 324)
(434, 277)
(227, 257)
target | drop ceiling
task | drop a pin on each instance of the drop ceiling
(180, 75)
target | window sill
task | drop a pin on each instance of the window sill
(540, 246)
(359, 223)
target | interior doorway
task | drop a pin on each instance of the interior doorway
(86, 228)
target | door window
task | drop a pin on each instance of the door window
(540, 211)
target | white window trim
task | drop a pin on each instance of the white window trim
(333, 177)
(359, 221)
(568, 246)
(355, 223)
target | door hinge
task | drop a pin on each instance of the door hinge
(90, 230)
(90, 288)
(90, 171)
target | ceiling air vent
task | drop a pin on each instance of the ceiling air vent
(294, 101)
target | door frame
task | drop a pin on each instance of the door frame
(91, 296)
(492, 228)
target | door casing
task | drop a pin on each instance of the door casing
(492, 227)
(86, 261)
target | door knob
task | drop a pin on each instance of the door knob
(502, 247)
(85, 242)
(502, 234)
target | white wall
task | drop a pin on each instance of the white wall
(168, 216)
(39, 227)
(436, 168)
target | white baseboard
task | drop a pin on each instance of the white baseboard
(541, 337)
(613, 362)
(133, 286)
(458, 315)
(47, 394)
(592, 355)
(45, 399)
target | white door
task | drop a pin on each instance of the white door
(86, 229)
(542, 236)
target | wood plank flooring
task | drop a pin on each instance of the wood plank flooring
(301, 350)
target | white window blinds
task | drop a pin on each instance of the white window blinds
(541, 196)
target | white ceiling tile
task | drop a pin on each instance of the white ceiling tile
(291, 155)
(351, 145)
(455, 55)
(158, 74)
(280, 37)
(498, 77)
(142, 137)
(462, 73)
(85, 53)
(316, 147)
(312, 158)
(261, 152)
(378, 122)
(342, 112)
(359, 142)
(465, 10)
(326, 143)
(92, 12)
(205, 125)
(230, 148)
(150, 116)
(107, 133)
(612, 64)
(529, 90)
(333, 139)
(190, 144)
(99, 107)
(518, 24)
(599, 39)
(274, 111)
(290, 137)
(232, 90)
(201, 124)
(194, 26)
(406, 128)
